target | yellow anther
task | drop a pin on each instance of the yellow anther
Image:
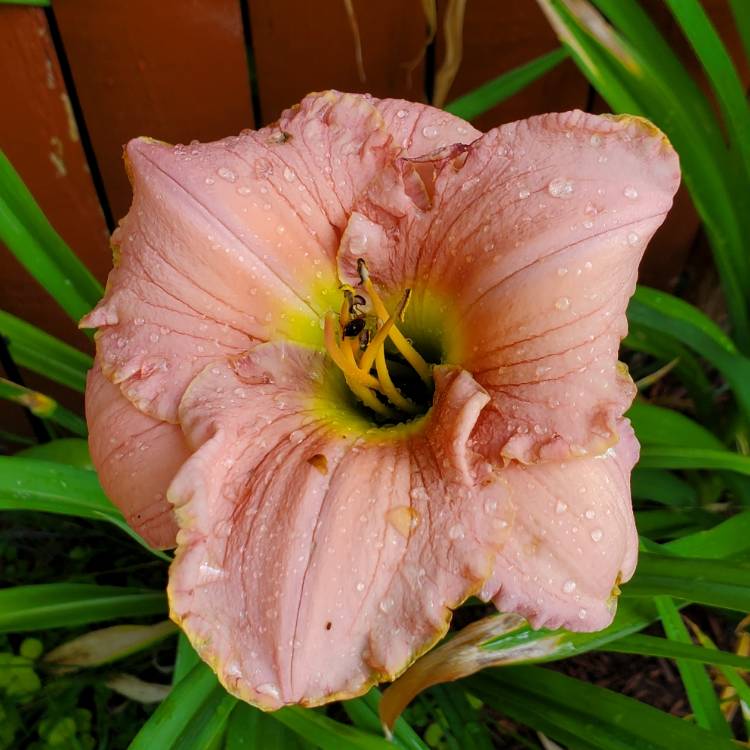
(408, 352)
(378, 341)
(346, 363)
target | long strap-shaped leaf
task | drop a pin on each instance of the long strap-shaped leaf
(30, 237)
(56, 605)
(34, 484)
(42, 406)
(39, 352)
(587, 716)
(489, 94)
(630, 82)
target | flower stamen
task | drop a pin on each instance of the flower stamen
(407, 351)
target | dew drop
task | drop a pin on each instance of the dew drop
(633, 238)
(582, 614)
(569, 586)
(561, 507)
(360, 586)
(430, 131)
(226, 174)
(401, 114)
(630, 192)
(209, 180)
(560, 188)
(562, 271)
(522, 194)
(289, 174)
(595, 139)
(597, 535)
(244, 190)
(563, 303)
(456, 531)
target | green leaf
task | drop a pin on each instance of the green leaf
(363, 713)
(326, 733)
(55, 605)
(662, 487)
(584, 715)
(655, 425)
(42, 406)
(698, 686)
(251, 729)
(192, 717)
(71, 451)
(30, 484)
(727, 540)
(657, 524)
(663, 457)
(717, 63)
(186, 658)
(40, 249)
(484, 98)
(650, 645)
(713, 582)
(741, 13)
(44, 354)
(629, 76)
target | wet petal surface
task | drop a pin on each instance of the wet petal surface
(314, 558)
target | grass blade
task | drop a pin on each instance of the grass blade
(664, 457)
(489, 94)
(584, 715)
(191, 717)
(40, 249)
(741, 13)
(713, 582)
(698, 686)
(56, 605)
(726, 83)
(251, 729)
(42, 406)
(650, 645)
(44, 354)
(32, 484)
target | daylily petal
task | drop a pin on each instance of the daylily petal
(572, 543)
(529, 242)
(420, 129)
(232, 242)
(136, 457)
(316, 557)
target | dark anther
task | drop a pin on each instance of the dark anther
(364, 339)
(354, 327)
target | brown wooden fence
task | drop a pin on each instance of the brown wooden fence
(80, 78)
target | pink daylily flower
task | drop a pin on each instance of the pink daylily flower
(342, 466)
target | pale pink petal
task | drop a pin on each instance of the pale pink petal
(527, 245)
(317, 555)
(573, 540)
(136, 458)
(232, 242)
(419, 129)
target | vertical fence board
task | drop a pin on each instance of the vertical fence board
(171, 69)
(500, 36)
(302, 46)
(39, 135)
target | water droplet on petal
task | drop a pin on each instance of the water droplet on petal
(244, 190)
(430, 131)
(360, 586)
(226, 174)
(401, 114)
(569, 586)
(582, 614)
(563, 303)
(633, 238)
(597, 535)
(630, 192)
(523, 194)
(561, 507)
(560, 188)
(562, 271)
(209, 180)
(456, 531)
(289, 174)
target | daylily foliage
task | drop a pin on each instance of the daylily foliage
(362, 364)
